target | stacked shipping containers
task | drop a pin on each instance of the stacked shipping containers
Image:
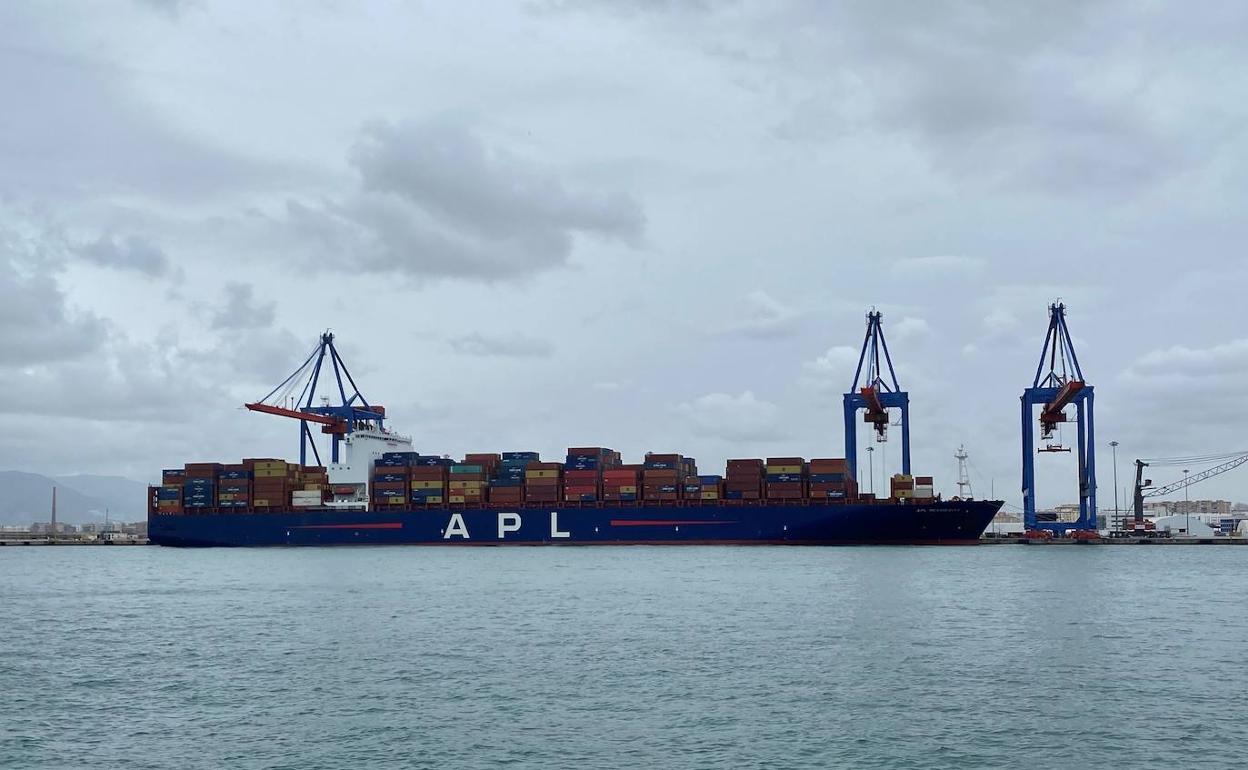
(199, 490)
(272, 482)
(234, 486)
(829, 479)
(786, 478)
(542, 481)
(169, 494)
(744, 480)
(620, 483)
(583, 472)
(390, 478)
(467, 484)
(663, 475)
(507, 481)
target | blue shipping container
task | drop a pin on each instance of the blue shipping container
(827, 478)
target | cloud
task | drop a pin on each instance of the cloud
(505, 346)
(1220, 360)
(734, 418)
(436, 202)
(37, 324)
(129, 253)
(840, 359)
(909, 328)
(935, 267)
(241, 310)
(761, 315)
(75, 127)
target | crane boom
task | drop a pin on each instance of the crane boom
(1142, 483)
(283, 412)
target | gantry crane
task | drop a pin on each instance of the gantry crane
(337, 421)
(876, 395)
(1225, 462)
(1059, 383)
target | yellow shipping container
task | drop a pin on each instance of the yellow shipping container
(784, 469)
(456, 498)
(270, 465)
(311, 487)
(710, 495)
(628, 490)
(435, 484)
(903, 494)
(169, 504)
(434, 499)
(270, 474)
(551, 474)
(260, 502)
(476, 485)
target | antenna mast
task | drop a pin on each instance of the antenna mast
(964, 480)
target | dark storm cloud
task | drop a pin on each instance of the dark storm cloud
(128, 253)
(436, 202)
(241, 309)
(505, 346)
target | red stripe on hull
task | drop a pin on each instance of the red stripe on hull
(383, 525)
(660, 522)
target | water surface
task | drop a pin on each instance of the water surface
(605, 657)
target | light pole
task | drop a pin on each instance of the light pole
(1187, 506)
(871, 468)
(1117, 518)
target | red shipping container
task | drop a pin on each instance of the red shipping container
(786, 461)
(622, 476)
(424, 473)
(574, 475)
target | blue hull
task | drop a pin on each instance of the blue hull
(951, 522)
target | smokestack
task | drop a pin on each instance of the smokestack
(53, 510)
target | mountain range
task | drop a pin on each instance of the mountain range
(27, 497)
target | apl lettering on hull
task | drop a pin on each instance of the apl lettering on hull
(509, 521)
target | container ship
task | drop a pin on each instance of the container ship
(379, 491)
(516, 498)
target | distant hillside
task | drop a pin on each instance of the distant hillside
(27, 497)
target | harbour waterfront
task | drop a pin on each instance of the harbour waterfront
(623, 656)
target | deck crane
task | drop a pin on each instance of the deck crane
(876, 395)
(337, 421)
(1059, 383)
(1225, 462)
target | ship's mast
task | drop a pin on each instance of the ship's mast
(964, 479)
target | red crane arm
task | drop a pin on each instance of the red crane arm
(317, 418)
(1052, 413)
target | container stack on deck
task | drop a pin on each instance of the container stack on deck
(829, 478)
(466, 483)
(786, 478)
(542, 481)
(744, 480)
(234, 486)
(507, 480)
(583, 472)
(902, 486)
(663, 475)
(589, 475)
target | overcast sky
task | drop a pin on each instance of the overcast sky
(649, 225)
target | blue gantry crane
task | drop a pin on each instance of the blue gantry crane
(1059, 383)
(876, 395)
(352, 412)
